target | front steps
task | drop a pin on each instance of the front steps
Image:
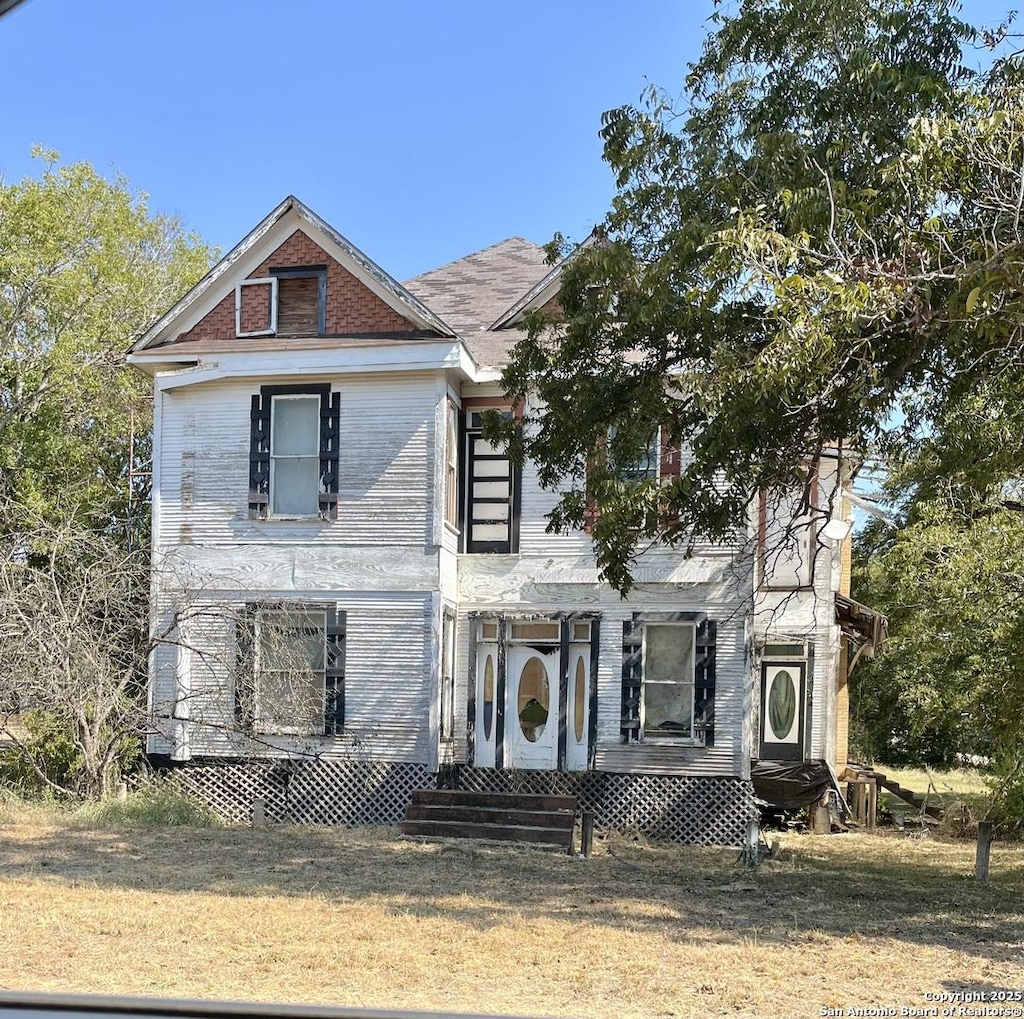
(505, 817)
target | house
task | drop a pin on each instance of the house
(357, 596)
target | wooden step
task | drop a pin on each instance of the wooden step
(916, 800)
(490, 815)
(510, 801)
(494, 832)
(501, 817)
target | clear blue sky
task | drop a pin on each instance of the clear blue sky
(421, 130)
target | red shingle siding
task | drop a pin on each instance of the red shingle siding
(255, 317)
(351, 307)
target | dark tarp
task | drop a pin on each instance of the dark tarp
(790, 784)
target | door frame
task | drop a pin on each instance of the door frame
(784, 751)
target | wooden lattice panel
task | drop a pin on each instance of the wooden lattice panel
(698, 811)
(307, 792)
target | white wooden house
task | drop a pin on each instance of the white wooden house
(320, 486)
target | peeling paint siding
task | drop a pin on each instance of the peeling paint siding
(722, 601)
(386, 466)
(536, 505)
(387, 684)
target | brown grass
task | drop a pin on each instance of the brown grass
(363, 918)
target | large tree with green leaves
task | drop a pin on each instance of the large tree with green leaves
(818, 243)
(84, 267)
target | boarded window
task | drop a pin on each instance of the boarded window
(298, 306)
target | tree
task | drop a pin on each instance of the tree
(84, 268)
(949, 682)
(818, 246)
(74, 627)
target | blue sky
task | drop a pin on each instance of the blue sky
(421, 130)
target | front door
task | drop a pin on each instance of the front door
(531, 712)
(783, 697)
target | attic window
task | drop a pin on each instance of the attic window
(301, 304)
(288, 302)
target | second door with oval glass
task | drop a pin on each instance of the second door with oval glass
(531, 715)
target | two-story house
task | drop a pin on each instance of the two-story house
(357, 593)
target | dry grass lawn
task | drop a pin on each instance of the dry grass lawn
(364, 918)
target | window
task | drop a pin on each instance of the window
(294, 456)
(289, 302)
(658, 461)
(493, 493)
(292, 670)
(668, 666)
(451, 461)
(448, 646)
(668, 678)
(646, 467)
(301, 300)
(293, 453)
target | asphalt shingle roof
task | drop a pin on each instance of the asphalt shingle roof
(472, 292)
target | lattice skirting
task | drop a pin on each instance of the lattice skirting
(306, 792)
(697, 811)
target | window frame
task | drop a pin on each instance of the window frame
(470, 433)
(329, 435)
(275, 457)
(318, 272)
(331, 716)
(690, 682)
(451, 463)
(270, 281)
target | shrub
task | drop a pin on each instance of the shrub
(155, 803)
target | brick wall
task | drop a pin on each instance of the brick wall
(352, 308)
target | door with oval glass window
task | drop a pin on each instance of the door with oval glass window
(531, 711)
(783, 698)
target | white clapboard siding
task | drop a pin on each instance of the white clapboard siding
(387, 681)
(386, 465)
(722, 601)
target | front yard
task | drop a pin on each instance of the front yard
(364, 918)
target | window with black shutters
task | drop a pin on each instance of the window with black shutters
(668, 678)
(291, 669)
(293, 453)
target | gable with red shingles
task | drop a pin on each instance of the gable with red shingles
(352, 309)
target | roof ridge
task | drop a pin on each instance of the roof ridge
(478, 251)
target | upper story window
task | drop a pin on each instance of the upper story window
(293, 452)
(294, 455)
(646, 467)
(493, 492)
(451, 464)
(289, 302)
(786, 536)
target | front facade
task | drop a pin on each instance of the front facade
(355, 594)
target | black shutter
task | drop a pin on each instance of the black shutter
(632, 672)
(245, 668)
(259, 457)
(330, 427)
(704, 683)
(334, 701)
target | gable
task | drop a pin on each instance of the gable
(350, 307)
